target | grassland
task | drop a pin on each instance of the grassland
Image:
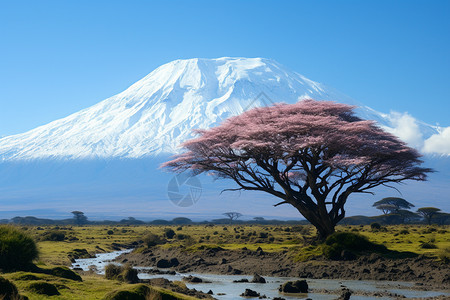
(55, 245)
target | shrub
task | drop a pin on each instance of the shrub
(65, 272)
(54, 235)
(404, 231)
(112, 271)
(43, 288)
(375, 226)
(169, 233)
(152, 240)
(123, 273)
(140, 292)
(129, 275)
(336, 243)
(17, 249)
(8, 290)
(428, 245)
(110, 232)
(182, 236)
(263, 235)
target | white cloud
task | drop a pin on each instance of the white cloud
(438, 143)
(406, 128)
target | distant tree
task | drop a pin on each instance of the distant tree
(181, 221)
(131, 221)
(232, 215)
(407, 216)
(392, 205)
(428, 212)
(79, 217)
(258, 219)
(442, 218)
(312, 155)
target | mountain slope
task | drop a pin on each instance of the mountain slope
(157, 113)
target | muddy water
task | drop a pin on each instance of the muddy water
(224, 287)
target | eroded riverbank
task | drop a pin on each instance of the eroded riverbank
(219, 269)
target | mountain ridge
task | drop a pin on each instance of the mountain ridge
(158, 112)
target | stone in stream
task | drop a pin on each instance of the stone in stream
(345, 294)
(258, 279)
(192, 279)
(298, 286)
(240, 280)
(250, 293)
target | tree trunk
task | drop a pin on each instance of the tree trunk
(325, 226)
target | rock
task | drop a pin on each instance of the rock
(210, 292)
(260, 252)
(258, 279)
(250, 293)
(278, 298)
(241, 280)
(223, 261)
(298, 286)
(345, 295)
(174, 262)
(164, 263)
(192, 279)
(236, 272)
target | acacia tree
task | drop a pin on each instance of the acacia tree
(392, 205)
(428, 212)
(79, 217)
(312, 154)
(232, 215)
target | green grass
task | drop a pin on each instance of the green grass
(404, 238)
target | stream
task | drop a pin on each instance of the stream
(224, 285)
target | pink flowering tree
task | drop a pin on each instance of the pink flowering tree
(312, 155)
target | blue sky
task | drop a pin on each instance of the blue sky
(57, 57)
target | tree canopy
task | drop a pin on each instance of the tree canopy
(392, 205)
(312, 155)
(428, 212)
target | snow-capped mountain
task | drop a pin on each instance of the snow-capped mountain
(157, 113)
(104, 159)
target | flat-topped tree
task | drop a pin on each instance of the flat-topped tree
(392, 205)
(232, 215)
(428, 212)
(312, 154)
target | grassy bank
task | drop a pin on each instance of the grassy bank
(57, 245)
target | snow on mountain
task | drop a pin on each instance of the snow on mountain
(157, 113)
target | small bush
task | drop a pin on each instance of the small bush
(336, 243)
(110, 232)
(140, 292)
(43, 288)
(17, 249)
(152, 240)
(404, 231)
(263, 235)
(122, 273)
(169, 233)
(182, 236)
(375, 226)
(8, 290)
(54, 235)
(65, 272)
(428, 245)
(112, 271)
